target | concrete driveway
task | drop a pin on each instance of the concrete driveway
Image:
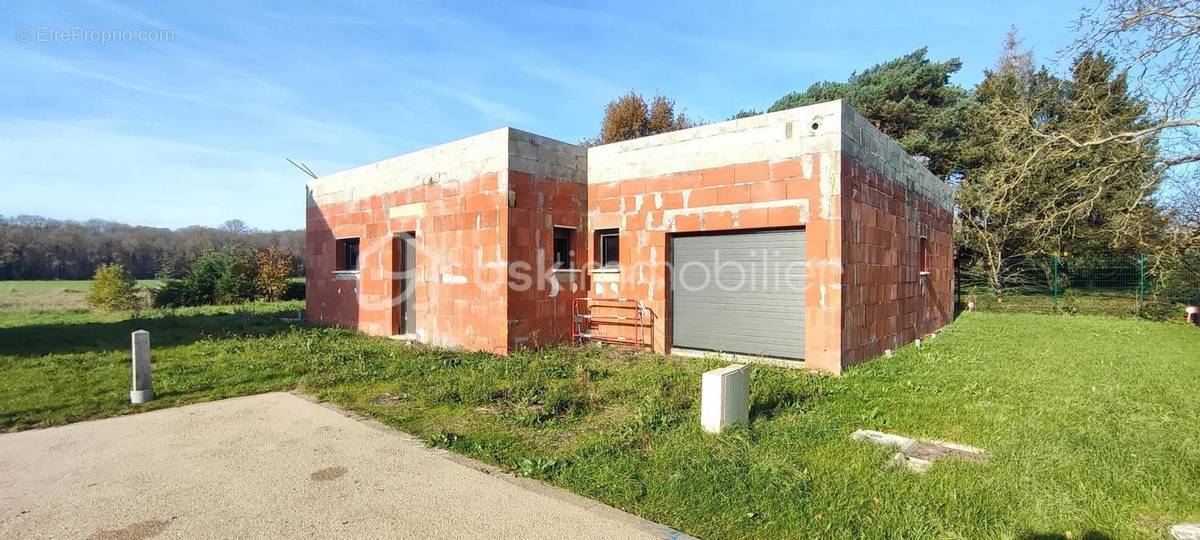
(273, 465)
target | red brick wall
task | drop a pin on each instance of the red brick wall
(461, 233)
(743, 196)
(539, 310)
(863, 293)
(886, 302)
(329, 301)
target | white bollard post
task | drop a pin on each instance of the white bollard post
(143, 390)
(725, 397)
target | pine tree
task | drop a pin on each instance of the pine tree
(1116, 214)
(910, 98)
(1027, 189)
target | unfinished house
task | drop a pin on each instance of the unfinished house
(420, 246)
(805, 237)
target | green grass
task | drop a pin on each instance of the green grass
(51, 285)
(1091, 422)
(1076, 301)
(50, 295)
(1115, 303)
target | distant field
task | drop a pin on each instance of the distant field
(51, 294)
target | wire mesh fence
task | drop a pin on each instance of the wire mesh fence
(1129, 286)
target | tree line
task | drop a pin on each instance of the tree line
(35, 247)
(1094, 159)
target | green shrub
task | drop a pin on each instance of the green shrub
(173, 293)
(201, 280)
(1163, 309)
(113, 289)
(237, 284)
(231, 276)
(217, 277)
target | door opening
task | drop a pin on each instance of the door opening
(404, 283)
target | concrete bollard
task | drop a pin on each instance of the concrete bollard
(725, 397)
(143, 390)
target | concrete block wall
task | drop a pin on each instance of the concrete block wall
(893, 202)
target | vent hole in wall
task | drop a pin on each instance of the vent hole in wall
(815, 126)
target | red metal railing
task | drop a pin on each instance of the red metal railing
(625, 313)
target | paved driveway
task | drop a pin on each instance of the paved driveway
(272, 465)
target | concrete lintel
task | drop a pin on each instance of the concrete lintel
(416, 210)
(670, 215)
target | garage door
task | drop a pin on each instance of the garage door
(740, 293)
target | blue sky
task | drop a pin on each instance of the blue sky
(193, 128)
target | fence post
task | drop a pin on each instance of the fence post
(957, 287)
(1055, 284)
(1141, 283)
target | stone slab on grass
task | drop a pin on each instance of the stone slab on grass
(919, 455)
(1186, 531)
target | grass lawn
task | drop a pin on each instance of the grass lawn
(50, 294)
(1084, 302)
(1093, 423)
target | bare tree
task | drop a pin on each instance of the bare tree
(1028, 191)
(1158, 43)
(1183, 209)
(34, 247)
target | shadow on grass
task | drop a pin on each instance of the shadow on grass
(768, 403)
(165, 330)
(1086, 535)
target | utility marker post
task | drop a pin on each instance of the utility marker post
(143, 390)
(725, 397)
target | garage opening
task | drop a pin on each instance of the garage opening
(740, 292)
